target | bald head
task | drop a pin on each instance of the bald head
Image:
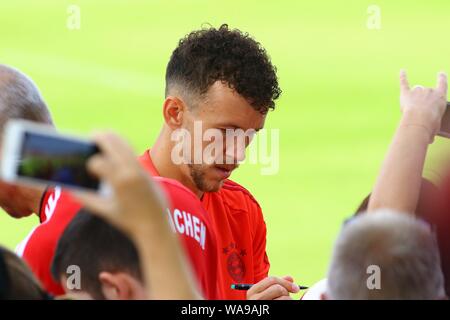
(20, 98)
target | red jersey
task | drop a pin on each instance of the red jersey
(38, 248)
(186, 216)
(189, 219)
(240, 231)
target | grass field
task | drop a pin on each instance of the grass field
(336, 115)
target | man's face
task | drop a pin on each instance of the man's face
(219, 115)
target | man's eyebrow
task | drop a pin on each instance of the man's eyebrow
(228, 126)
(232, 126)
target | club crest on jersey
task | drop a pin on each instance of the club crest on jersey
(235, 262)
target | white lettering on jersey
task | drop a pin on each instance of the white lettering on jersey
(171, 220)
(51, 204)
(189, 225)
(177, 216)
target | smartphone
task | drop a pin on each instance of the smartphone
(38, 154)
(445, 123)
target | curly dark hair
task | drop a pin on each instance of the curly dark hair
(209, 55)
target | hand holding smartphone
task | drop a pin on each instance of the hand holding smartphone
(37, 154)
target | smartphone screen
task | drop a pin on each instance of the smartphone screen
(57, 160)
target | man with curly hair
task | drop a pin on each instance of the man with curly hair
(221, 80)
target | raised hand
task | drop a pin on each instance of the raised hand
(423, 106)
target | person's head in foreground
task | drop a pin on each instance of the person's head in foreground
(94, 260)
(430, 208)
(216, 79)
(439, 216)
(19, 99)
(17, 282)
(385, 255)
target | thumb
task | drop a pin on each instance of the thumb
(295, 288)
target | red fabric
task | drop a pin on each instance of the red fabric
(240, 230)
(187, 217)
(57, 210)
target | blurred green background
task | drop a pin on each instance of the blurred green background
(337, 113)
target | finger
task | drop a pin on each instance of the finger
(288, 278)
(105, 142)
(441, 85)
(428, 91)
(284, 298)
(270, 281)
(100, 166)
(115, 147)
(404, 84)
(273, 292)
(116, 158)
(121, 147)
(94, 203)
(295, 287)
(124, 146)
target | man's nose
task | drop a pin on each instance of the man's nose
(235, 152)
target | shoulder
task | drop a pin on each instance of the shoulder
(175, 189)
(55, 200)
(234, 193)
(57, 210)
(240, 204)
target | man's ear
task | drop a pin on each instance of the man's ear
(173, 112)
(116, 286)
(72, 294)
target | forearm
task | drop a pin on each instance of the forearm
(398, 184)
(166, 270)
